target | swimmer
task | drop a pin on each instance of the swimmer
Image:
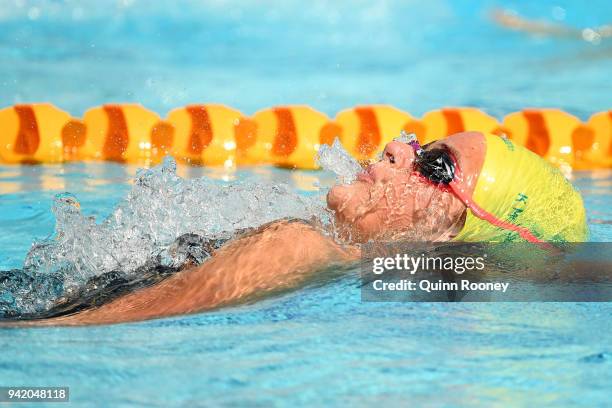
(509, 19)
(412, 193)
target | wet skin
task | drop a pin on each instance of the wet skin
(388, 201)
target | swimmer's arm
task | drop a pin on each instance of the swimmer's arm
(277, 257)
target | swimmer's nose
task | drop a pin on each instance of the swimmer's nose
(399, 155)
(396, 156)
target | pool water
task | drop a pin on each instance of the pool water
(319, 345)
(331, 55)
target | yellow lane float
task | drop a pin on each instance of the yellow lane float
(290, 136)
(366, 129)
(286, 136)
(444, 122)
(32, 134)
(119, 133)
(547, 132)
(211, 134)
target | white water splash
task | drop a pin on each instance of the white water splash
(336, 159)
(160, 207)
(144, 226)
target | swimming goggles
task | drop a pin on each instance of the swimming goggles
(437, 165)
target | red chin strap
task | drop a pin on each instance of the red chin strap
(490, 218)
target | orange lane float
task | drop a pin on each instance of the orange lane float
(366, 129)
(438, 124)
(74, 138)
(550, 133)
(211, 134)
(290, 136)
(599, 152)
(32, 133)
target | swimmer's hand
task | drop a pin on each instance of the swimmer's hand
(276, 257)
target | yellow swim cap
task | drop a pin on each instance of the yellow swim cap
(517, 186)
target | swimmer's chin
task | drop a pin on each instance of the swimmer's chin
(339, 195)
(365, 177)
(335, 197)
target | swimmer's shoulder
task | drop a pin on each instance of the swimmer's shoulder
(283, 225)
(294, 232)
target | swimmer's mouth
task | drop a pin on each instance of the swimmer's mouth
(365, 177)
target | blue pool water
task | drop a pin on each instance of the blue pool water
(332, 55)
(318, 345)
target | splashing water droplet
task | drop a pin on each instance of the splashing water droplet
(336, 159)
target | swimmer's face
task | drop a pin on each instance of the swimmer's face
(390, 200)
